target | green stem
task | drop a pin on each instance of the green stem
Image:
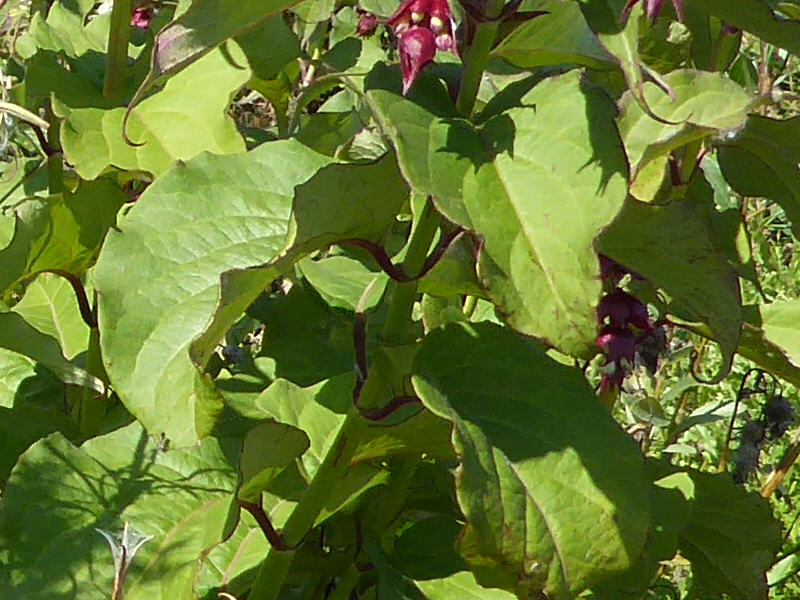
(469, 306)
(55, 162)
(477, 57)
(117, 58)
(276, 565)
(401, 302)
(92, 404)
(475, 62)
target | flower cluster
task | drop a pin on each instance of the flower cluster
(776, 417)
(626, 330)
(422, 27)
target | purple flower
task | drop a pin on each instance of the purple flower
(367, 24)
(618, 344)
(652, 8)
(421, 27)
(141, 17)
(622, 310)
(417, 49)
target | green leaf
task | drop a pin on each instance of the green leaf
(186, 118)
(181, 498)
(63, 31)
(232, 564)
(461, 585)
(392, 584)
(50, 306)
(620, 37)
(755, 17)
(672, 246)
(16, 368)
(552, 490)
(17, 335)
(558, 37)
(671, 497)
(704, 105)
(62, 232)
(319, 411)
(731, 539)
(342, 281)
(407, 122)
(761, 160)
(269, 47)
(203, 27)
(268, 449)
(306, 341)
(158, 279)
(339, 202)
(427, 549)
(539, 206)
(22, 426)
(454, 273)
(770, 338)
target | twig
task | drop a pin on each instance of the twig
(384, 411)
(88, 315)
(274, 538)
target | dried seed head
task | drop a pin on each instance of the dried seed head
(746, 462)
(780, 415)
(753, 432)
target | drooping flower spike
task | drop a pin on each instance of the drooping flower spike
(652, 8)
(421, 27)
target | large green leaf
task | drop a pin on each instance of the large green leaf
(671, 497)
(703, 105)
(731, 539)
(50, 306)
(761, 160)
(756, 17)
(557, 37)
(770, 338)
(19, 336)
(181, 498)
(158, 278)
(184, 119)
(540, 204)
(268, 449)
(61, 232)
(341, 201)
(553, 491)
(203, 27)
(672, 246)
